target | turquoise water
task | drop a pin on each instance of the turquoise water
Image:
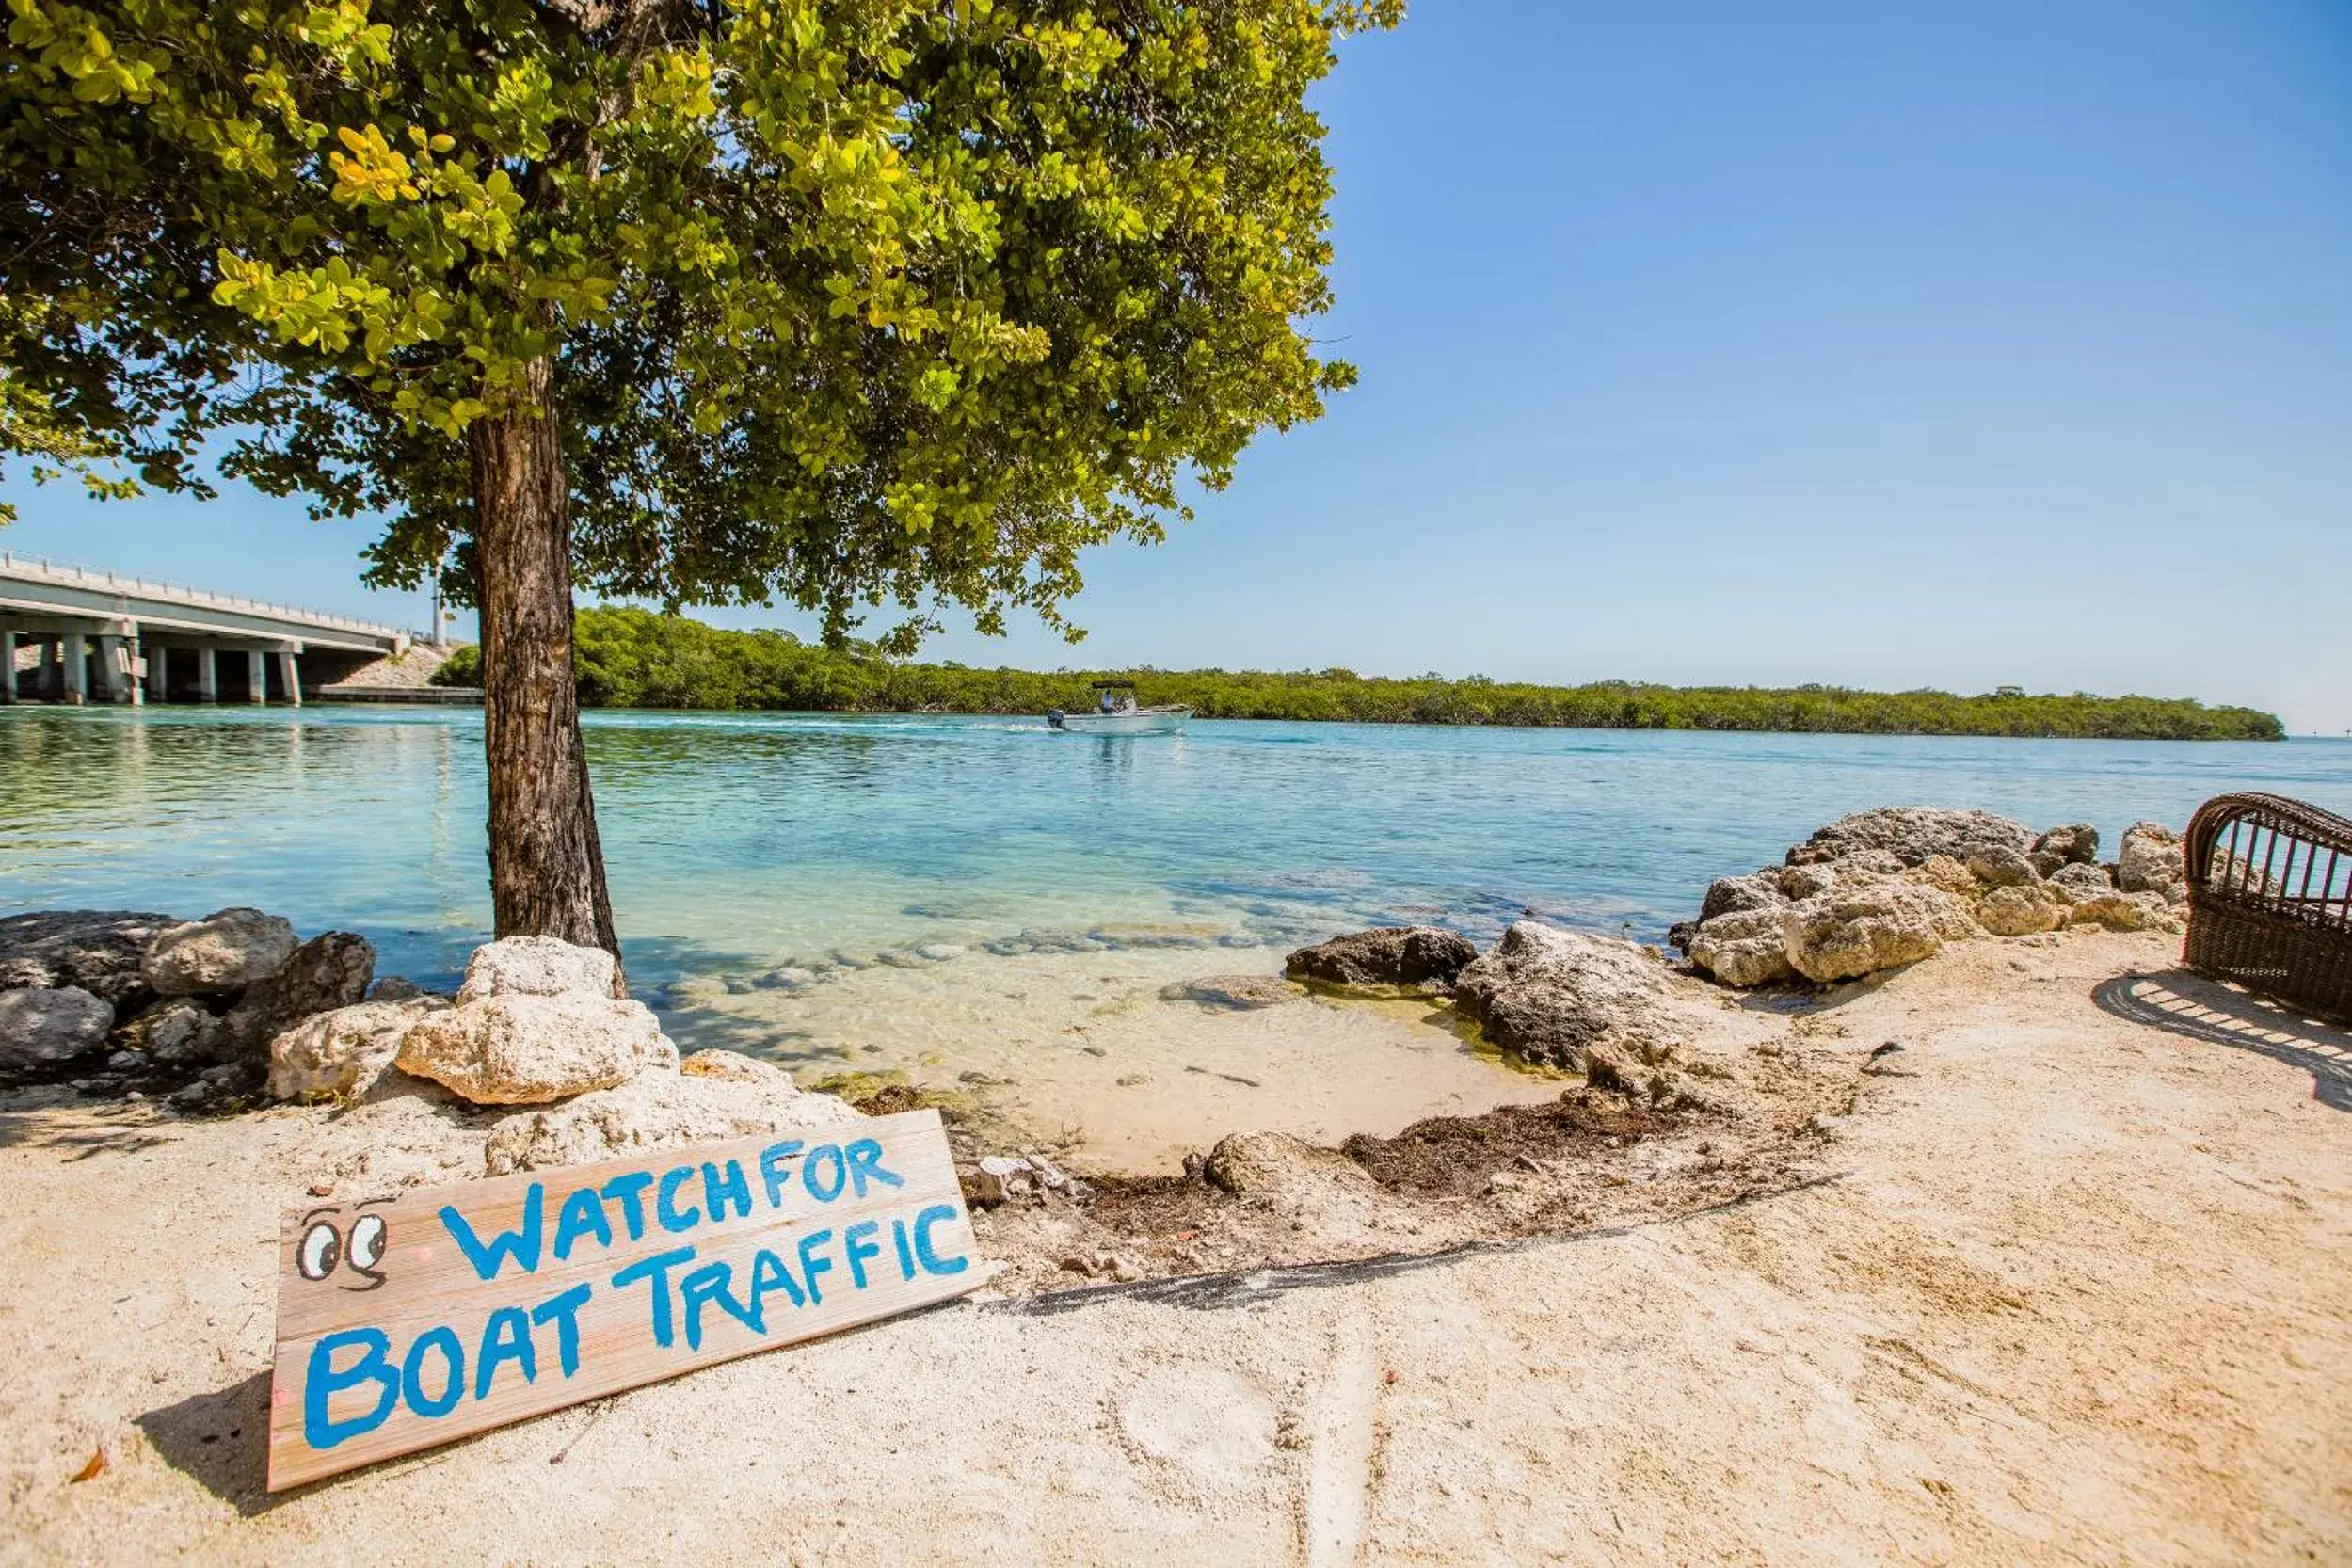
(741, 844)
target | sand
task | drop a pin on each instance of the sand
(2057, 1288)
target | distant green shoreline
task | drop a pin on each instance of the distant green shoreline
(637, 658)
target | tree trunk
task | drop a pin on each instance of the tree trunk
(546, 867)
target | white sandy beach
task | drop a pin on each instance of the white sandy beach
(2075, 1290)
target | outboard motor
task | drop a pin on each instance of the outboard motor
(1053, 718)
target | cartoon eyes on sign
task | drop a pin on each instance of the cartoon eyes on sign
(359, 1249)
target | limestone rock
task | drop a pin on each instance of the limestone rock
(227, 950)
(2077, 881)
(179, 1031)
(1234, 992)
(1743, 948)
(2002, 866)
(42, 1026)
(394, 987)
(2022, 910)
(2120, 911)
(1943, 872)
(734, 1066)
(1733, 895)
(1859, 930)
(517, 1048)
(340, 1054)
(2150, 861)
(656, 1110)
(1816, 877)
(1911, 833)
(1407, 957)
(322, 974)
(537, 967)
(1266, 1164)
(1544, 994)
(96, 951)
(2074, 846)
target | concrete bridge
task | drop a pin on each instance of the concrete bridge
(71, 635)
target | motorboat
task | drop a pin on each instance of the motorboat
(1115, 714)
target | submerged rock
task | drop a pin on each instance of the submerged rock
(1911, 834)
(660, 1110)
(1546, 994)
(96, 951)
(227, 950)
(42, 1026)
(1234, 992)
(341, 1054)
(519, 1048)
(322, 974)
(538, 966)
(1406, 956)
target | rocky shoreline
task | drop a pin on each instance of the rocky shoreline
(234, 1013)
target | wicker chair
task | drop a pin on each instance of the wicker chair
(2270, 899)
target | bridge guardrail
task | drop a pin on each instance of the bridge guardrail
(59, 571)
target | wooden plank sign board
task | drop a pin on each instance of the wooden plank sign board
(418, 1317)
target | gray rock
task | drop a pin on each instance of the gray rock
(538, 966)
(657, 1110)
(1546, 994)
(2150, 861)
(1859, 930)
(1911, 834)
(1743, 948)
(179, 1031)
(227, 950)
(1234, 992)
(519, 1048)
(322, 974)
(42, 1026)
(1405, 956)
(393, 988)
(96, 951)
(341, 1054)
(2000, 865)
(2077, 844)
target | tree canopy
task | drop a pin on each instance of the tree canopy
(845, 301)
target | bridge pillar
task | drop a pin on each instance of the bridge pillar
(111, 667)
(7, 661)
(207, 675)
(257, 672)
(154, 668)
(74, 653)
(291, 678)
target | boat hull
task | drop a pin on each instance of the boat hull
(1148, 721)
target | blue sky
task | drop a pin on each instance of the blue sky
(1891, 345)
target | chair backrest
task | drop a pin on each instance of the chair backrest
(2270, 899)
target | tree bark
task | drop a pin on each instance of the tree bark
(546, 867)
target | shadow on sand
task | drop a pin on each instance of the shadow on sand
(2180, 1002)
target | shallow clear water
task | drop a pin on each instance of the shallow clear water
(740, 843)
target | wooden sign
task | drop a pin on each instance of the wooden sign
(418, 1317)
